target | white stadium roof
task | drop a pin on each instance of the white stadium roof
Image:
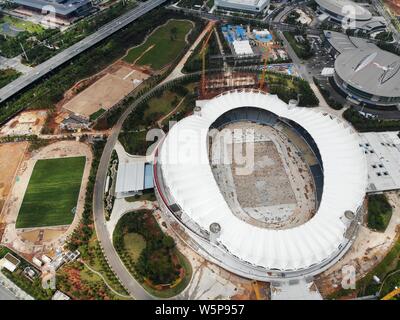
(188, 176)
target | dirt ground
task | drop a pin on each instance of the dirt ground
(28, 122)
(394, 5)
(368, 250)
(105, 92)
(39, 236)
(282, 193)
(11, 154)
(42, 240)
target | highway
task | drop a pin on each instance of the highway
(71, 52)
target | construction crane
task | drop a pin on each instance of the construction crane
(392, 294)
(203, 50)
(268, 46)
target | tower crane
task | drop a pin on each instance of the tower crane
(268, 46)
(203, 55)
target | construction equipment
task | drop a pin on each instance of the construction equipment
(203, 56)
(268, 46)
(392, 294)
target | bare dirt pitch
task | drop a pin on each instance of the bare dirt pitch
(278, 192)
(113, 86)
(11, 154)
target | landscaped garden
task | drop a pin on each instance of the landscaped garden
(150, 255)
(364, 124)
(302, 49)
(166, 105)
(7, 76)
(379, 212)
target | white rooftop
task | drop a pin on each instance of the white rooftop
(382, 150)
(326, 72)
(242, 47)
(188, 176)
(130, 177)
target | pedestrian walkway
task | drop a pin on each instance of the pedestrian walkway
(14, 63)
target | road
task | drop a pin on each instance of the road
(5, 294)
(71, 52)
(127, 280)
(111, 255)
(306, 75)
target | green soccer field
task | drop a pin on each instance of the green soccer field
(52, 193)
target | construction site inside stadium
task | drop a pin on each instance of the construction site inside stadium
(282, 193)
(260, 187)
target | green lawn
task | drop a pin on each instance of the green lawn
(97, 114)
(303, 50)
(134, 244)
(161, 106)
(379, 212)
(162, 46)
(7, 76)
(52, 193)
(22, 24)
(135, 142)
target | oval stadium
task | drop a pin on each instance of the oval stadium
(289, 211)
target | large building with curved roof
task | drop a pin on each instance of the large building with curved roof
(338, 9)
(188, 192)
(252, 6)
(369, 75)
(351, 15)
(364, 72)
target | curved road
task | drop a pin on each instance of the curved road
(127, 280)
(111, 255)
(133, 287)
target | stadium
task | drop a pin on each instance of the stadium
(292, 215)
(252, 6)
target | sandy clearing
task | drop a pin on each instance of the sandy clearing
(11, 154)
(106, 92)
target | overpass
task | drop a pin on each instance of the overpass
(74, 50)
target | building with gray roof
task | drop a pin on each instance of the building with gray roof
(353, 15)
(66, 9)
(252, 6)
(364, 72)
